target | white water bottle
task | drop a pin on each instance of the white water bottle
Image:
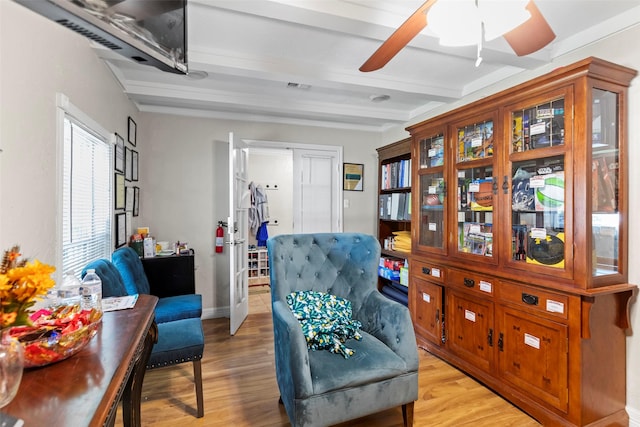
(91, 291)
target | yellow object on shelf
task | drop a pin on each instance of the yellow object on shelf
(402, 241)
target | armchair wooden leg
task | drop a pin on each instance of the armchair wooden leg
(197, 378)
(407, 414)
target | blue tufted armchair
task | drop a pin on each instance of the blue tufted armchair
(319, 388)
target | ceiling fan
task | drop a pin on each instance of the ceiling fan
(531, 34)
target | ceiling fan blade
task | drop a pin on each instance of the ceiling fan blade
(399, 39)
(532, 35)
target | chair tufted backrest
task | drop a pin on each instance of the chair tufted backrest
(342, 264)
(128, 263)
(112, 284)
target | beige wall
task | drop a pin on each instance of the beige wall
(40, 59)
(184, 184)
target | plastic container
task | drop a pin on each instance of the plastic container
(91, 291)
(69, 291)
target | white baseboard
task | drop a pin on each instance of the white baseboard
(634, 416)
(213, 313)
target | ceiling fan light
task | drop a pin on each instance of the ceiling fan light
(502, 16)
(455, 22)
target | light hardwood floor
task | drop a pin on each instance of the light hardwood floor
(240, 387)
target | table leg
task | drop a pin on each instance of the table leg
(132, 394)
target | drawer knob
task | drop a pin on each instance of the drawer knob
(426, 270)
(529, 299)
(469, 283)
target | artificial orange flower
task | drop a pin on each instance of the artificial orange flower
(21, 284)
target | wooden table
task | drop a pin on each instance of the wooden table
(85, 389)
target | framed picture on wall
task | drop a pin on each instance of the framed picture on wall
(128, 164)
(129, 222)
(119, 197)
(118, 163)
(353, 177)
(136, 201)
(132, 129)
(129, 199)
(134, 165)
(121, 229)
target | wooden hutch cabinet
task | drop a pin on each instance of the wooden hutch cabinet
(519, 242)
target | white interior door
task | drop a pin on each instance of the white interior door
(317, 207)
(237, 225)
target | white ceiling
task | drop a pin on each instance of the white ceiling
(253, 49)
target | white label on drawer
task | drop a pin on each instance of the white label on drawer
(470, 315)
(426, 297)
(435, 272)
(474, 187)
(485, 286)
(432, 226)
(432, 152)
(532, 341)
(433, 189)
(476, 142)
(538, 233)
(538, 128)
(555, 306)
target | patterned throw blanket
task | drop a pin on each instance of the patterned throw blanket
(326, 321)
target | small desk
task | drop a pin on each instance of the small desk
(170, 276)
(84, 390)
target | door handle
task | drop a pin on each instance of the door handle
(235, 242)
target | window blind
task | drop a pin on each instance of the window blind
(86, 210)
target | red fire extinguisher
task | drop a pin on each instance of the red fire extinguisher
(219, 238)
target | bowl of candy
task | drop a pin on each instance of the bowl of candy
(56, 333)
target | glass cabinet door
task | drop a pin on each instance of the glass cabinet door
(476, 189)
(605, 181)
(537, 172)
(475, 211)
(432, 193)
(538, 126)
(538, 208)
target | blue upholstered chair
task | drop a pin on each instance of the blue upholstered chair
(135, 281)
(180, 335)
(319, 388)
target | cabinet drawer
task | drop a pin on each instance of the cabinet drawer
(429, 271)
(535, 300)
(473, 282)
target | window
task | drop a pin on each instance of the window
(86, 194)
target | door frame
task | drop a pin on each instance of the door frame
(334, 149)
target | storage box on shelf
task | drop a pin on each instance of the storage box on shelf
(519, 261)
(394, 216)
